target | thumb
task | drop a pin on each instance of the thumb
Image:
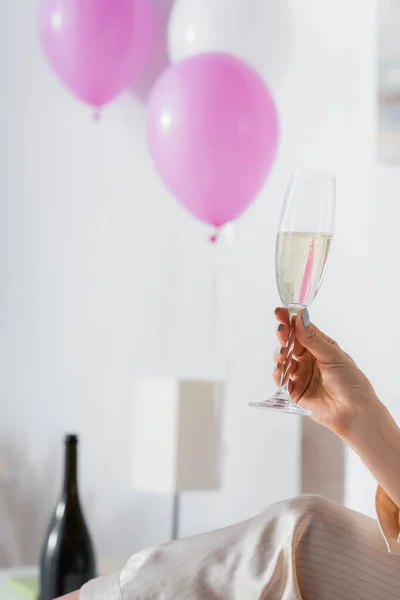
(321, 346)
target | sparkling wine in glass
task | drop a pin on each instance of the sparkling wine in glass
(302, 248)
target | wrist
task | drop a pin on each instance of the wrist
(375, 437)
(369, 419)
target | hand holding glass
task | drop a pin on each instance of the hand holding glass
(302, 249)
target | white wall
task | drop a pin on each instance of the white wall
(92, 247)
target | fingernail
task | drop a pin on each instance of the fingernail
(275, 367)
(278, 350)
(306, 318)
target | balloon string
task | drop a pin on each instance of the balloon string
(168, 297)
(228, 316)
(97, 114)
(221, 308)
(214, 313)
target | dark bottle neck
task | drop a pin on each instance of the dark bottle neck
(71, 467)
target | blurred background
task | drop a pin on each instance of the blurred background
(105, 278)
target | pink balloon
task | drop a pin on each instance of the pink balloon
(97, 47)
(213, 134)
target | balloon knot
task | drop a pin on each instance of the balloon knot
(213, 239)
(97, 114)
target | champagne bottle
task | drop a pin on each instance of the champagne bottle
(68, 560)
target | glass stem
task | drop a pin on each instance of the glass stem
(284, 383)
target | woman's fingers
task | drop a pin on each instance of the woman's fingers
(283, 328)
(277, 371)
(322, 347)
(282, 333)
(302, 363)
(302, 375)
(280, 354)
(282, 315)
(293, 368)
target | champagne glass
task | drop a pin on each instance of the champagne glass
(302, 247)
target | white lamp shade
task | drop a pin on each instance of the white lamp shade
(176, 435)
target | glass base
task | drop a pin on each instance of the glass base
(281, 401)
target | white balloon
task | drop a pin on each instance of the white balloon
(258, 31)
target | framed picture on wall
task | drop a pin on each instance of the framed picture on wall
(388, 82)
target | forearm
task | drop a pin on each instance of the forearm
(375, 437)
(73, 596)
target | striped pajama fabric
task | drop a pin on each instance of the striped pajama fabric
(308, 548)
